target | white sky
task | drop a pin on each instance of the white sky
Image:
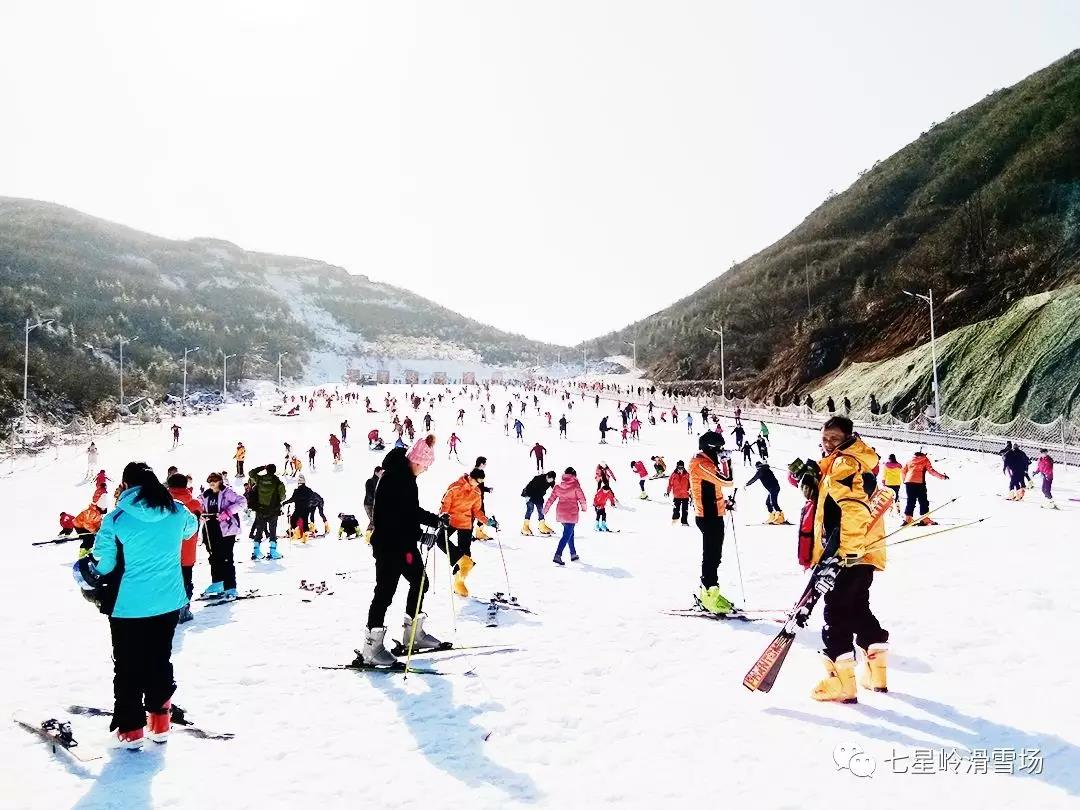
(556, 168)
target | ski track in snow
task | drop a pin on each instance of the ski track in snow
(608, 701)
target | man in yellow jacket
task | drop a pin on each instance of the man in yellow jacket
(847, 528)
(462, 503)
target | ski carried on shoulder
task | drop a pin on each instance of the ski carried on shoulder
(58, 734)
(178, 717)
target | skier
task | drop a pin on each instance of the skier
(914, 473)
(239, 456)
(311, 456)
(175, 435)
(635, 428)
(369, 500)
(461, 507)
(762, 448)
(604, 475)
(453, 442)
(679, 489)
(768, 480)
(86, 525)
(603, 497)
(335, 449)
(177, 484)
(373, 439)
(604, 430)
(689, 423)
(221, 507)
(265, 497)
(534, 492)
(659, 465)
(461, 416)
(348, 526)
(738, 416)
(571, 502)
(518, 428)
(100, 485)
(643, 473)
(398, 516)
(344, 427)
(91, 459)
(1046, 470)
(1016, 464)
(296, 465)
(709, 476)
(747, 450)
(143, 617)
(846, 532)
(894, 477)
(288, 455)
(562, 427)
(739, 432)
(538, 450)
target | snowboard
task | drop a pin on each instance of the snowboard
(58, 734)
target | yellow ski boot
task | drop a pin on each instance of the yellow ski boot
(464, 566)
(526, 529)
(838, 685)
(872, 673)
(544, 529)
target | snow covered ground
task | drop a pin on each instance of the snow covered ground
(605, 700)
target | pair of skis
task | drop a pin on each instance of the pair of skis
(359, 665)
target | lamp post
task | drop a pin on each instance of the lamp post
(634, 344)
(280, 355)
(723, 370)
(585, 360)
(183, 399)
(26, 367)
(224, 373)
(123, 340)
(933, 347)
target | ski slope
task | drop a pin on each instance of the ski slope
(605, 700)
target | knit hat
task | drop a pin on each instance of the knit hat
(423, 452)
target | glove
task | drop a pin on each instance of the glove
(825, 579)
(444, 519)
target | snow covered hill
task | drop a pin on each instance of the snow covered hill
(604, 699)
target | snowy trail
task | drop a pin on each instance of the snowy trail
(606, 700)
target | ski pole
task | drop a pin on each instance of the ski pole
(506, 572)
(738, 562)
(416, 614)
(926, 515)
(939, 531)
(450, 580)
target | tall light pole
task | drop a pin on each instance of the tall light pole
(123, 340)
(585, 360)
(26, 367)
(280, 355)
(224, 372)
(723, 370)
(634, 344)
(933, 346)
(183, 397)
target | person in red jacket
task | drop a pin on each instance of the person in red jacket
(601, 500)
(679, 489)
(538, 450)
(643, 473)
(335, 448)
(915, 486)
(177, 484)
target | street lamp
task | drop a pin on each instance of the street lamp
(280, 355)
(634, 344)
(224, 372)
(123, 340)
(26, 366)
(723, 376)
(183, 399)
(933, 346)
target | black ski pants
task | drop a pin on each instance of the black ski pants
(265, 526)
(142, 668)
(916, 493)
(463, 548)
(772, 501)
(222, 564)
(712, 548)
(390, 565)
(848, 615)
(679, 509)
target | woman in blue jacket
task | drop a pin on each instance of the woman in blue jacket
(143, 535)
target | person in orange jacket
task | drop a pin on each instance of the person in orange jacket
(679, 489)
(462, 503)
(710, 475)
(915, 487)
(86, 525)
(177, 484)
(238, 457)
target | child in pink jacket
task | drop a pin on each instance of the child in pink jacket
(571, 503)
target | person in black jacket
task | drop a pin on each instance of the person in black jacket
(535, 492)
(369, 499)
(303, 500)
(397, 518)
(765, 475)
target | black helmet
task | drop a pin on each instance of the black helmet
(710, 443)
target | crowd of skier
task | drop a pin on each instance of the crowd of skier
(146, 586)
